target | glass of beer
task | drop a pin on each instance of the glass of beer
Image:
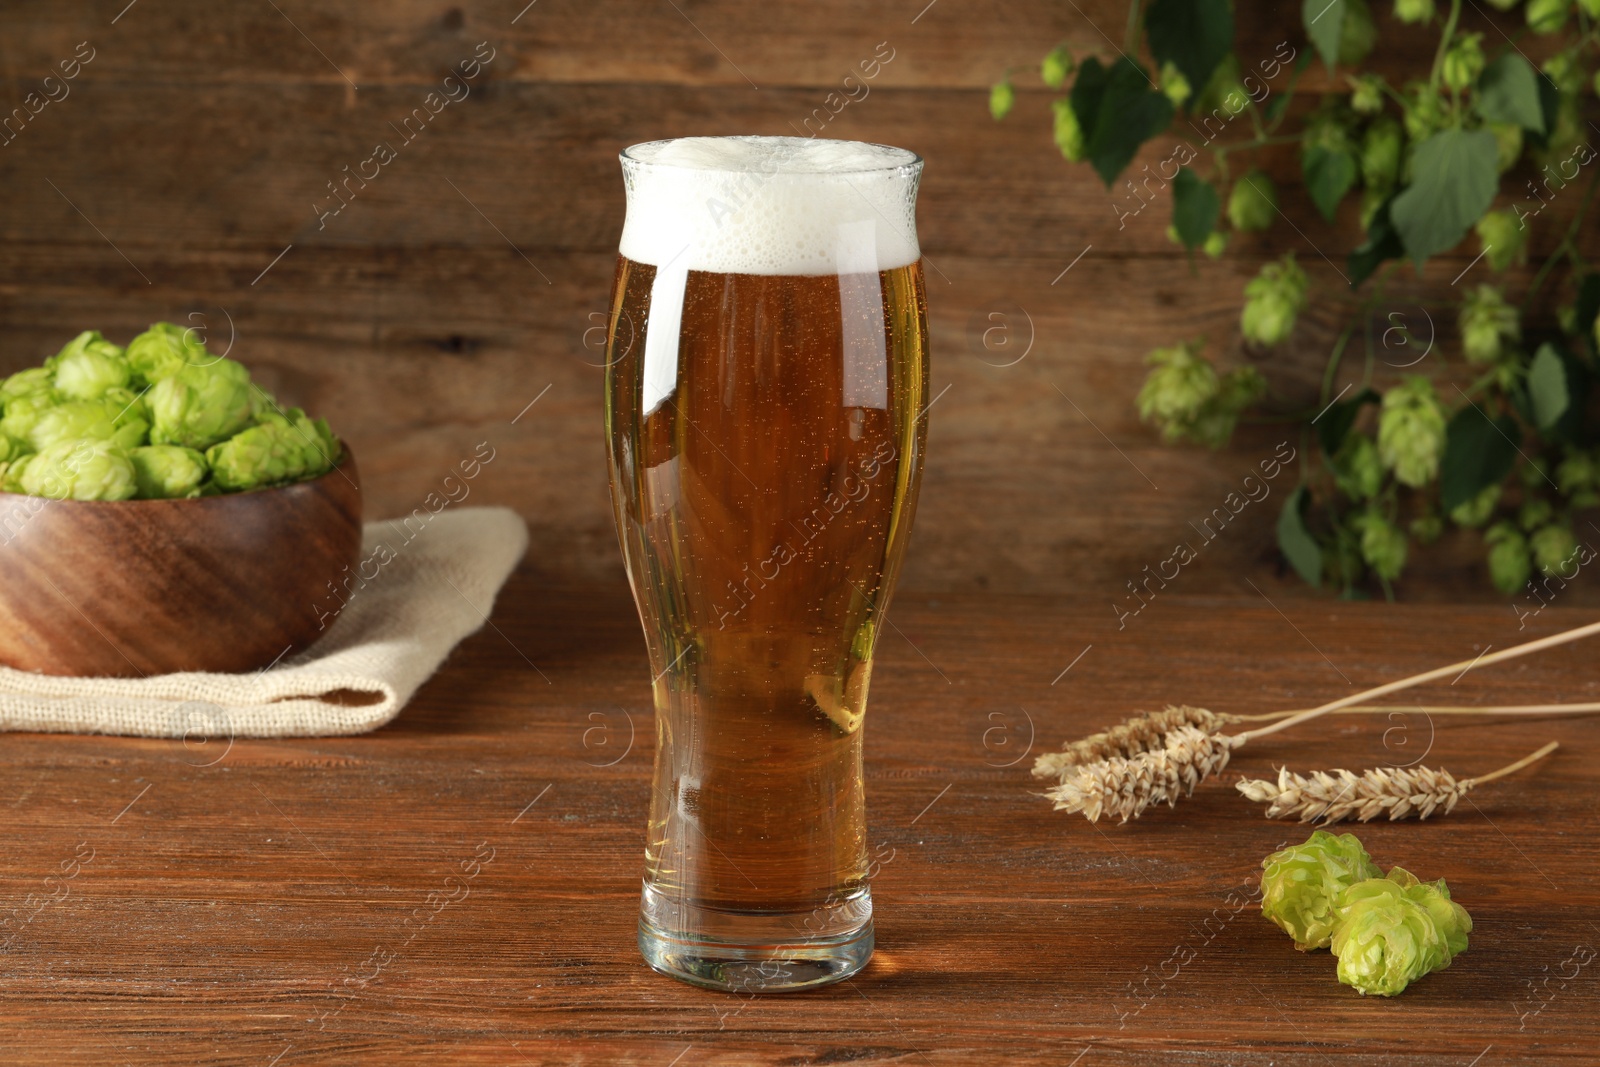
(766, 381)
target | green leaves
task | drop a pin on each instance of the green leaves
(1382, 243)
(1455, 178)
(1296, 542)
(1329, 174)
(1193, 35)
(1324, 22)
(1508, 91)
(1547, 387)
(1195, 208)
(1118, 111)
(1478, 453)
(1334, 424)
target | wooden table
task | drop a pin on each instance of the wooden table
(251, 903)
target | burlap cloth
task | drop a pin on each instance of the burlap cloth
(389, 638)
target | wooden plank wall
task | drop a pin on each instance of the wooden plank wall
(186, 175)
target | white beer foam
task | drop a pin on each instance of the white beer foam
(770, 205)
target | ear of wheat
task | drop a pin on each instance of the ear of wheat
(1124, 786)
(1161, 767)
(1400, 791)
(1141, 733)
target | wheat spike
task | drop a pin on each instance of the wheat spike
(1400, 791)
(1141, 733)
(1124, 786)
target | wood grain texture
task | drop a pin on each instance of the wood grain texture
(130, 588)
(245, 900)
(197, 148)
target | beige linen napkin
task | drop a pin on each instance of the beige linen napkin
(438, 586)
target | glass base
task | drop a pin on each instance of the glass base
(756, 952)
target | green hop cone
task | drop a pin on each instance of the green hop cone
(1239, 389)
(1449, 918)
(1476, 511)
(1273, 300)
(88, 371)
(1488, 324)
(282, 449)
(1067, 132)
(1215, 244)
(1001, 99)
(1383, 544)
(1357, 471)
(1504, 240)
(1509, 564)
(1554, 549)
(30, 382)
(1413, 12)
(87, 341)
(1386, 936)
(23, 414)
(166, 472)
(1564, 72)
(200, 406)
(1380, 154)
(1463, 61)
(165, 349)
(106, 419)
(1547, 16)
(1358, 34)
(1174, 85)
(1507, 144)
(1366, 94)
(1427, 528)
(76, 470)
(1535, 512)
(1300, 885)
(1577, 473)
(1253, 203)
(1055, 67)
(1424, 111)
(1411, 432)
(1179, 386)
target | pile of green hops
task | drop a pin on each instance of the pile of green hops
(160, 419)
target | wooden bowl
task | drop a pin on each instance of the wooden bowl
(129, 588)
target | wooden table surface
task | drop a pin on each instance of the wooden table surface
(252, 902)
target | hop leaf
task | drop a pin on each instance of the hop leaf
(1056, 66)
(1414, 12)
(1387, 936)
(1067, 131)
(1411, 432)
(1488, 323)
(1509, 565)
(1253, 203)
(1001, 98)
(1273, 300)
(1383, 544)
(1301, 885)
(1463, 61)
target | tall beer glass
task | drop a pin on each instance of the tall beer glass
(767, 372)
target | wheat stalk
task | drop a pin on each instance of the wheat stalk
(1126, 785)
(1141, 733)
(1401, 791)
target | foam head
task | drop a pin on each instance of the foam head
(770, 205)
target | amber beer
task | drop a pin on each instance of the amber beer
(766, 384)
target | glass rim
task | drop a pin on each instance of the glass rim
(629, 158)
